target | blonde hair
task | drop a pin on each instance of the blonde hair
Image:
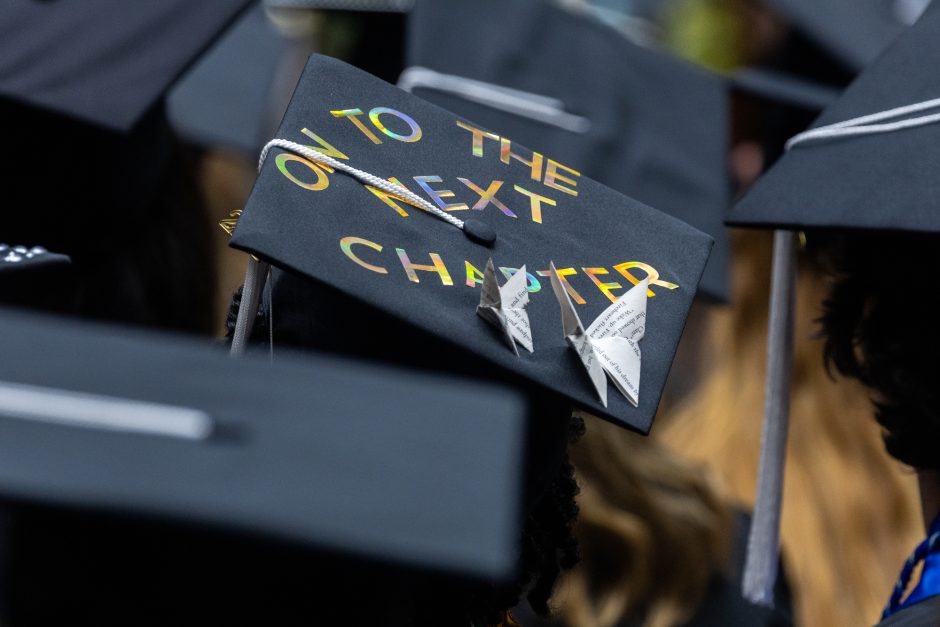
(850, 513)
(651, 529)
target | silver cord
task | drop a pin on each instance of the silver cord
(867, 124)
(366, 178)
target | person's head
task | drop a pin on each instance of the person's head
(306, 315)
(881, 329)
(126, 209)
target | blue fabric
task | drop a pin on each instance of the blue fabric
(927, 552)
(929, 584)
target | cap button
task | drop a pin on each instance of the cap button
(479, 232)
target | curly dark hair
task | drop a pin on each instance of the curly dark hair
(880, 329)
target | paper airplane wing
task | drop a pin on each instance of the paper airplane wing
(515, 296)
(616, 334)
(578, 338)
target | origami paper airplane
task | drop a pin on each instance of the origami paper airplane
(504, 307)
(611, 343)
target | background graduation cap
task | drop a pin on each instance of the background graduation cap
(382, 263)
(637, 120)
(230, 98)
(854, 32)
(15, 259)
(103, 61)
(391, 6)
(146, 478)
(867, 163)
(93, 159)
(767, 109)
(23, 268)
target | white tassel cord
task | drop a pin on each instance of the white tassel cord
(364, 177)
(871, 124)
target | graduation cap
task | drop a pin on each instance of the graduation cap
(31, 275)
(88, 80)
(640, 121)
(778, 87)
(104, 61)
(865, 164)
(15, 259)
(392, 207)
(854, 31)
(229, 97)
(163, 441)
(389, 6)
(769, 107)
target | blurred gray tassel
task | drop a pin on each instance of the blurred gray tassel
(760, 570)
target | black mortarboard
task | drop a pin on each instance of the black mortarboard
(371, 251)
(16, 259)
(103, 61)
(88, 79)
(322, 454)
(768, 108)
(637, 120)
(880, 181)
(31, 276)
(867, 163)
(226, 98)
(853, 31)
(397, 6)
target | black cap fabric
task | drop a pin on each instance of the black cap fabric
(878, 181)
(397, 6)
(642, 122)
(412, 265)
(853, 31)
(25, 259)
(327, 454)
(103, 61)
(226, 98)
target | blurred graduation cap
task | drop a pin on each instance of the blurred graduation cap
(31, 276)
(867, 163)
(637, 120)
(768, 107)
(804, 190)
(389, 6)
(106, 62)
(88, 80)
(16, 259)
(228, 97)
(777, 87)
(854, 31)
(201, 479)
(335, 203)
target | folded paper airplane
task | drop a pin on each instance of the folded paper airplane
(504, 307)
(611, 343)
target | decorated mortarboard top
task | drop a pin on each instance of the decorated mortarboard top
(423, 471)
(877, 172)
(854, 31)
(640, 121)
(106, 62)
(472, 196)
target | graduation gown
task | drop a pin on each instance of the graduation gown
(923, 614)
